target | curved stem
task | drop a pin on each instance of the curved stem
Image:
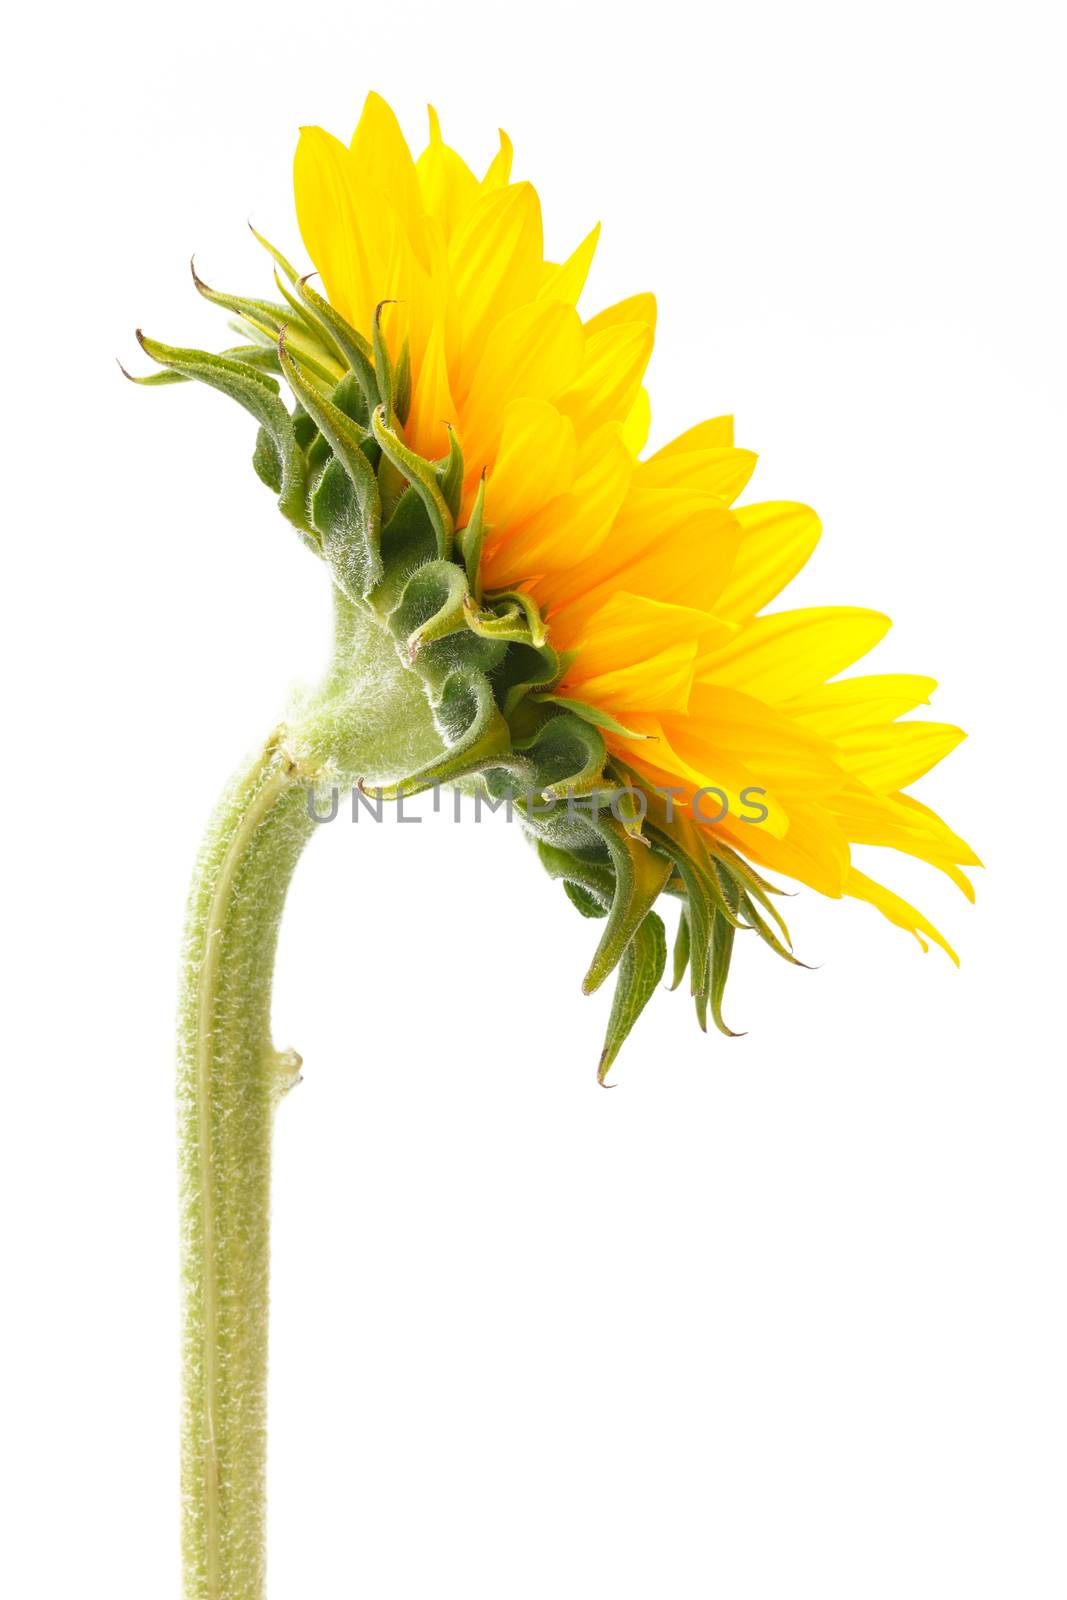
(230, 1078)
(369, 718)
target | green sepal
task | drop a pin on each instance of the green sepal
(756, 889)
(467, 716)
(408, 542)
(759, 924)
(470, 540)
(592, 714)
(701, 904)
(594, 879)
(722, 946)
(432, 605)
(402, 384)
(640, 971)
(586, 903)
(275, 254)
(422, 477)
(383, 366)
(353, 347)
(264, 358)
(688, 838)
(461, 652)
(681, 949)
(152, 380)
(348, 397)
(523, 615)
(640, 874)
(325, 358)
(346, 519)
(258, 394)
(450, 474)
(629, 812)
(269, 316)
(524, 670)
(342, 523)
(508, 624)
(303, 321)
(566, 755)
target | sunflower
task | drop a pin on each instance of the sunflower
(469, 457)
(527, 605)
(647, 573)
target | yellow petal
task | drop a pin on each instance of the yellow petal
(533, 352)
(329, 226)
(779, 656)
(626, 628)
(686, 753)
(381, 157)
(447, 185)
(566, 282)
(638, 421)
(684, 564)
(635, 308)
(898, 911)
(567, 527)
(896, 822)
(923, 817)
(613, 366)
(715, 434)
(788, 758)
(535, 462)
(719, 470)
(499, 170)
(432, 406)
(889, 758)
(812, 848)
(875, 699)
(777, 539)
(669, 546)
(662, 682)
(495, 263)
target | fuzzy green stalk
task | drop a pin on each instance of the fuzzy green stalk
(370, 719)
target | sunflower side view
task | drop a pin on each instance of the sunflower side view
(527, 606)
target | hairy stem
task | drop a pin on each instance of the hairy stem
(230, 1079)
(369, 719)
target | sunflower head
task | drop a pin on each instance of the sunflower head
(585, 622)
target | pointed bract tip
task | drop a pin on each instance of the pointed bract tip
(380, 307)
(603, 1068)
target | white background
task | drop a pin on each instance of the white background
(783, 1316)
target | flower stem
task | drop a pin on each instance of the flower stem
(369, 718)
(230, 1079)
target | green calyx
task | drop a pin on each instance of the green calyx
(389, 526)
